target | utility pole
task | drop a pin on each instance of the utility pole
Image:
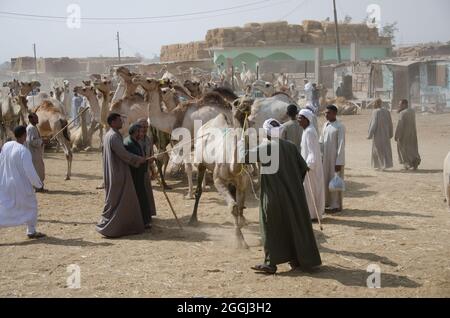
(338, 45)
(35, 61)
(118, 46)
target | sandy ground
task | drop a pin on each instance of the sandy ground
(396, 220)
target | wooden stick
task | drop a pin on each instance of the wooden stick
(81, 113)
(170, 203)
(314, 201)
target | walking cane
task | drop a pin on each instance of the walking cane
(314, 201)
(167, 198)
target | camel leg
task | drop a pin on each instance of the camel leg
(65, 144)
(198, 193)
(101, 136)
(188, 168)
(239, 219)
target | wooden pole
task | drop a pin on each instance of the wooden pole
(314, 201)
(170, 203)
(338, 45)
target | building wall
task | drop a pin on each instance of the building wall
(252, 55)
(430, 93)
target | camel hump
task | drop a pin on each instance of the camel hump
(214, 98)
(226, 93)
(47, 105)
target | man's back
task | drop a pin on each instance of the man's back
(77, 101)
(17, 174)
(293, 132)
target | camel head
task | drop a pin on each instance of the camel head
(27, 87)
(103, 87)
(66, 85)
(193, 87)
(242, 108)
(58, 92)
(95, 77)
(87, 91)
(87, 83)
(150, 84)
(124, 73)
(20, 105)
(265, 87)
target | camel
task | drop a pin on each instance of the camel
(14, 86)
(447, 179)
(167, 76)
(231, 179)
(247, 76)
(193, 88)
(62, 94)
(51, 121)
(95, 110)
(104, 87)
(126, 88)
(81, 136)
(266, 88)
(14, 108)
(184, 115)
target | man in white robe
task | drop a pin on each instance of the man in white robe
(308, 91)
(35, 145)
(333, 151)
(18, 204)
(315, 111)
(313, 184)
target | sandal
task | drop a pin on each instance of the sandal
(268, 269)
(36, 235)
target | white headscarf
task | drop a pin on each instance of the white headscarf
(308, 114)
(274, 132)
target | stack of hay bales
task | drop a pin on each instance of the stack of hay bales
(349, 33)
(256, 34)
(184, 52)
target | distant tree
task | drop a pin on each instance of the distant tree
(347, 19)
(389, 30)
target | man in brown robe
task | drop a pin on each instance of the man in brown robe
(122, 214)
(406, 137)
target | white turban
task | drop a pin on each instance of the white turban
(272, 131)
(308, 114)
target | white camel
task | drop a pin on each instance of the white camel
(231, 180)
(184, 115)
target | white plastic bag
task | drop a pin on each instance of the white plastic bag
(336, 184)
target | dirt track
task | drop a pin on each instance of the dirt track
(394, 219)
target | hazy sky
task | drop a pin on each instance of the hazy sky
(418, 21)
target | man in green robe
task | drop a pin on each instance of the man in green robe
(131, 143)
(285, 221)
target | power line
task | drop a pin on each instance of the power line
(137, 18)
(153, 22)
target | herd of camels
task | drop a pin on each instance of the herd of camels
(169, 105)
